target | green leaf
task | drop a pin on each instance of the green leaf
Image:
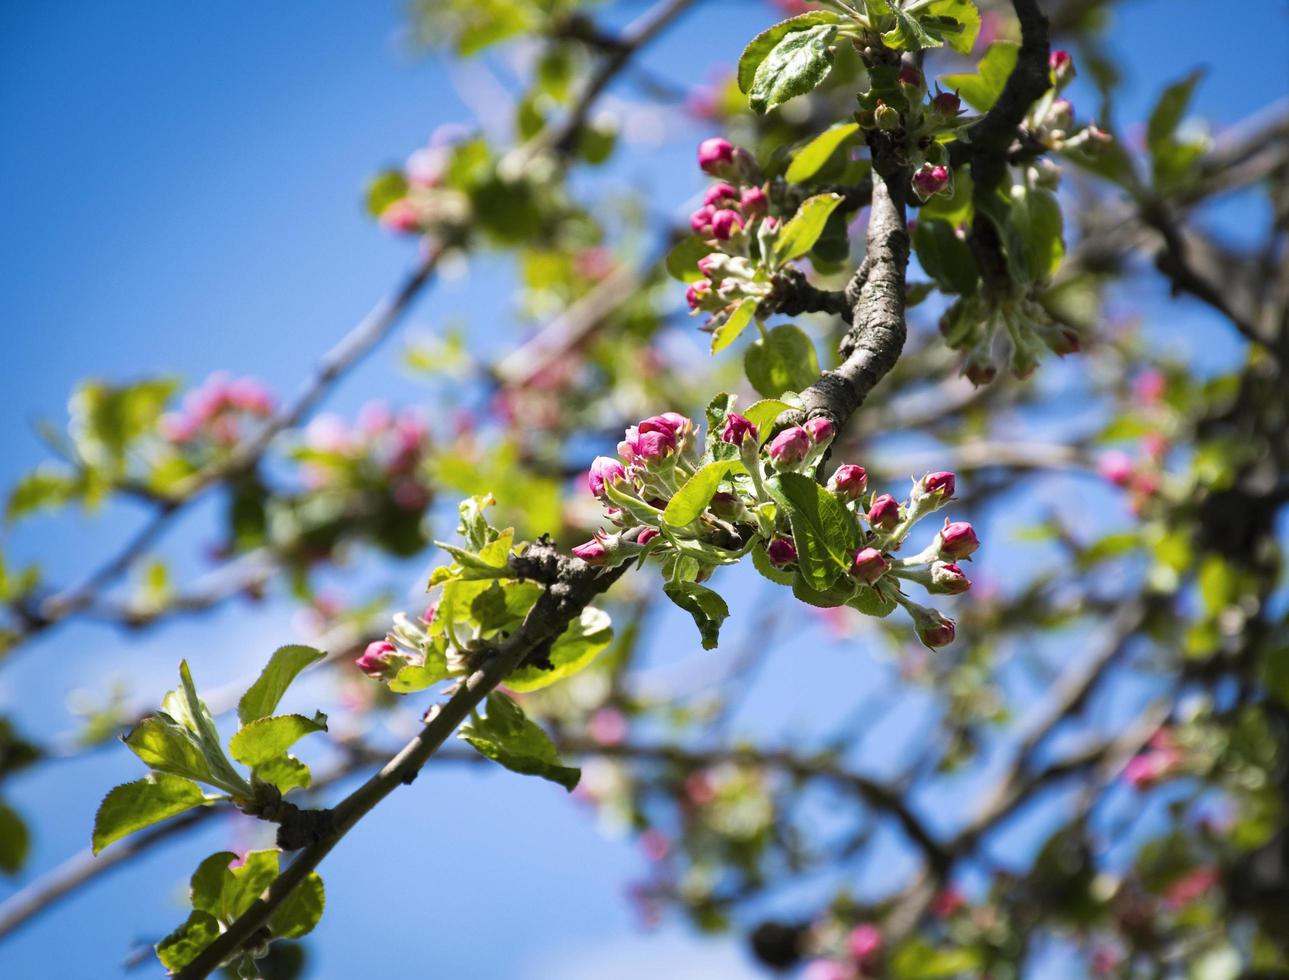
(414, 677)
(783, 360)
(108, 419)
(967, 16)
(795, 66)
(823, 531)
(212, 883)
(763, 413)
(808, 160)
(256, 872)
(1036, 216)
(384, 189)
(286, 772)
(761, 562)
(140, 804)
(760, 46)
(490, 562)
(841, 592)
(734, 324)
(583, 641)
(799, 235)
(945, 256)
(166, 746)
(1169, 111)
(46, 487)
(682, 260)
(301, 910)
(872, 603)
(707, 607)
(263, 696)
(15, 841)
(187, 942)
(982, 89)
(184, 706)
(908, 33)
(918, 960)
(692, 498)
(267, 738)
(507, 736)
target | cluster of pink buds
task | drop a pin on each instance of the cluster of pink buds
(915, 122)
(382, 450)
(215, 411)
(733, 220)
(659, 455)
(427, 202)
(406, 645)
(1052, 118)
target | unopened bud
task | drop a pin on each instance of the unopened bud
(947, 104)
(718, 193)
(957, 540)
(789, 447)
(377, 659)
(716, 156)
(849, 481)
(884, 513)
(933, 629)
(593, 552)
(930, 180)
(948, 579)
(819, 429)
(737, 428)
(604, 469)
(1062, 66)
(725, 223)
(887, 118)
(781, 551)
(869, 565)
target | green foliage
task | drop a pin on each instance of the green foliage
(584, 640)
(133, 806)
(506, 735)
(823, 532)
(810, 159)
(1173, 156)
(221, 890)
(707, 607)
(728, 331)
(761, 46)
(804, 228)
(15, 840)
(264, 739)
(783, 360)
(283, 667)
(945, 256)
(692, 498)
(982, 89)
(795, 65)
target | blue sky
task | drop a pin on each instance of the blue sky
(181, 191)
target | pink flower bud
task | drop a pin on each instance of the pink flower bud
(957, 540)
(431, 611)
(737, 428)
(592, 552)
(401, 216)
(718, 193)
(707, 264)
(827, 970)
(865, 943)
(884, 513)
(608, 726)
(647, 535)
(789, 447)
(869, 565)
(909, 75)
(930, 180)
(819, 429)
(939, 485)
(715, 155)
(697, 293)
(1062, 66)
(947, 104)
(701, 220)
(781, 551)
(604, 469)
(725, 223)
(250, 396)
(849, 481)
(948, 579)
(754, 203)
(932, 628)
(375, 660)
(653, 438)
(1117, 467)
